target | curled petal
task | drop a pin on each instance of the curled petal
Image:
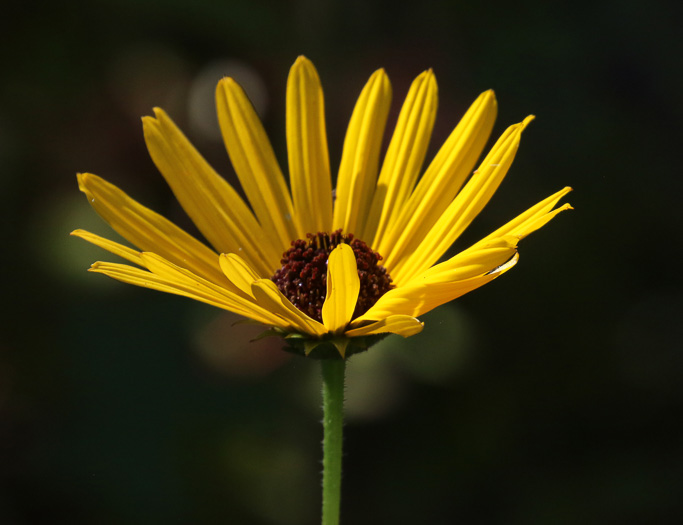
(343, 286)
(238, 271)
(270, 298)
(403, 325)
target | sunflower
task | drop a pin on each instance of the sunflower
(317, 266)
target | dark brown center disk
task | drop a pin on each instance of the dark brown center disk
(303, 275)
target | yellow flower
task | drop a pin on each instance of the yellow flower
(313, 264)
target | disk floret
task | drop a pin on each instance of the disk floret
(303, 275)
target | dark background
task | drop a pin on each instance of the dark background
(552, 395)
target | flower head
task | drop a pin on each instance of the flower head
(323, 268)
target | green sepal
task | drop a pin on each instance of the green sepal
(329, 347)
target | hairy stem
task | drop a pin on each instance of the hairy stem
(333, 419)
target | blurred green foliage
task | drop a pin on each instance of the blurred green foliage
(549, 396)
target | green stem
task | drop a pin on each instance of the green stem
(333, 419)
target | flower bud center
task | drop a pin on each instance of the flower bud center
(303, 275)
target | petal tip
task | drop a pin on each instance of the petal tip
(380, 75)
(302, 61)
(84, 179)
(489, 97)
(226, 83)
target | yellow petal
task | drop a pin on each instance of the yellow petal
(479, 264)
(416, 299)
(441, 181)
(532, 219)
(446, 281)
(212, 204)
(403, 325)
(479, 259)
(343, 286)
(117, 249)
(148, 230)
(238, 272)
(360, 158)
(538, 223)
(163, 268)
(309, 165)
(139, 277)
(193, 289)
(239, 299)
(254, 161)
(404, 157)
(270, 298)
(464, 208)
